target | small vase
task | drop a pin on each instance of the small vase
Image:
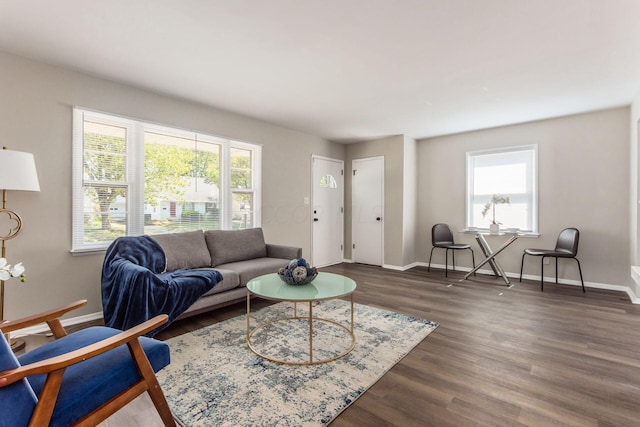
(494, 228)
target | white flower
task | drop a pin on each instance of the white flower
(17, 270)
(7, 272)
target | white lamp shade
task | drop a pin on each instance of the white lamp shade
(18, 171)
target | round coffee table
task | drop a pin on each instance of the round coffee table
(325, 286)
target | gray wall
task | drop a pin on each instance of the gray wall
(391, 148)
(583, 178)
(35, 116)
(634, 199)
(410, 201)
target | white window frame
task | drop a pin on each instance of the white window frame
(135, 173)
(531, 152)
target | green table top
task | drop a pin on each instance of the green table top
(324, 286)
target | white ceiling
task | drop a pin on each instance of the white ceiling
(350, 69)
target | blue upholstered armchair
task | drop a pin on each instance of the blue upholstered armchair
(81, 378)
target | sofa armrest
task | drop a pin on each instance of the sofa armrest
(284, 252)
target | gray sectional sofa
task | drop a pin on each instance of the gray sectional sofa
(240, 255)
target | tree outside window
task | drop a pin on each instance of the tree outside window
(134, 178)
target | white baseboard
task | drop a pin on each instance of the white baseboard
(65, 322)
(635, 275)
(634, 298)
(400, 268)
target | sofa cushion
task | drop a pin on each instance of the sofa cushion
(253, 268)
(284, 252)
(184, 250)
(230, 280)
(227, 246)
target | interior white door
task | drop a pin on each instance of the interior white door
(367, 210)
(328, 211)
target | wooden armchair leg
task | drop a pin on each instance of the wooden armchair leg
(154, 390)
(160, 402)
(47, 399)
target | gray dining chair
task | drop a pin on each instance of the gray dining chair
(442, 237)
(566, 247)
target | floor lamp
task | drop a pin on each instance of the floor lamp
(17, 172)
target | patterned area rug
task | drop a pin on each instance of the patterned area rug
(214, 379)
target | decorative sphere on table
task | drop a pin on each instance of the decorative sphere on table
(298, 272)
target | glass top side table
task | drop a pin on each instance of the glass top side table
(324, 286)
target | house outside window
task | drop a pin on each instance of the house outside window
(508, 173)
(131, 177)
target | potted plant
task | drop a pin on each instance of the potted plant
(496, 199)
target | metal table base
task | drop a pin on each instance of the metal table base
(490, 257)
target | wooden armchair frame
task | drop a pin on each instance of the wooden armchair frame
(55, 367)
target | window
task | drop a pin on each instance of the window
(508, 173)
(132, 178)
(328, 181)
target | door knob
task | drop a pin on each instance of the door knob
(378, 219)
(315, 219)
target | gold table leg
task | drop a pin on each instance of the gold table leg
(349, 330)
(310, 333)
(248, 311)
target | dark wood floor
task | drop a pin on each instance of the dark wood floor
(500, 356)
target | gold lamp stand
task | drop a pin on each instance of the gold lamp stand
(17, 172)
(14, 227)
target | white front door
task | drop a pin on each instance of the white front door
(327, 215)
(367, 210)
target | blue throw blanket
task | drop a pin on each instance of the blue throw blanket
(134, 289)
